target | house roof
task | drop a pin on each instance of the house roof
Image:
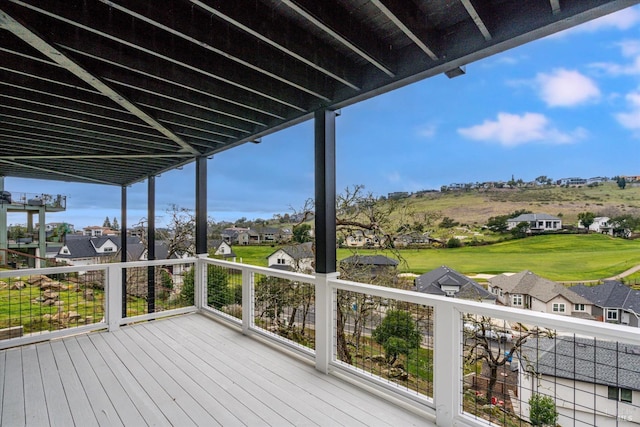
(432, 282)
(611, 294)
(297, 252)
(534, 217)
(123, 90)
(584, 359)
(529, 283)
(371, 260)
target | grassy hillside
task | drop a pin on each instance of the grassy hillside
(557, 257)
(475, 207)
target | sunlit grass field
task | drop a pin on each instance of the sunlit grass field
(571, 257)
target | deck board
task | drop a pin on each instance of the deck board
(181, 371)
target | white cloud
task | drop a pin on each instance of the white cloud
(630, 49)
(566, 88)
(511, 130)
(427, 131)
(631, 118)
(621, 20)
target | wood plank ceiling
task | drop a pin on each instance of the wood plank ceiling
(114, 91)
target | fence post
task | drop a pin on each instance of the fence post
(324, 321)
(248, 302)
(447, 364)
(200, 282)
(113, 289)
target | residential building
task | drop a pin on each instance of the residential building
(362, 239)
(613, 302)
(240, 236)
(572, 181)
(601, 224)
(221, 249)
(537, 222)
(369, 265)
(414, 239)
(590, 381)
(529, 291)
(293, 258)
(448, 282)
(97, 231)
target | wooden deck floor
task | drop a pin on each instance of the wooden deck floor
(186, 370)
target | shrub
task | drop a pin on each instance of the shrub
(542, 410)
(454, 243)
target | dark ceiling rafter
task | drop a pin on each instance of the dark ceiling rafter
(214, 74)
(473, 13)
(327, 19)
(10, 24)
(228, 11)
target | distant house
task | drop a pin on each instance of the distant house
(362, 239)
(414, 239)
(572, 181)
(293, 258)
(221, 249)
(240, 236)
(537, 222)
(601, 224)
(613, 302)
(448, 282)
(370, 265)
(529, 291)
(97, 231)
(592, 383)
(86, 250)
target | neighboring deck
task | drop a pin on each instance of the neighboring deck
(186, 370)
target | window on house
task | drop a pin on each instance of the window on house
(558, 308)
(517, 299)
(578, 307)
(621, 394)
(612, 314)
(108, 249)
(281, 261)
(501, 292)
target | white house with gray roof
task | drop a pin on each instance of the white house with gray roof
(537, 222)
(448, 282)
(613, 302)
(595, 383)
(529, 291)
(293, 258)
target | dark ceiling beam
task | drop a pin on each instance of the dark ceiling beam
(210, 38)
(330, 18)
(555, 6)
(399, 15)
(154, 42)
(473, 13)
(284, 37)
(97, 156)
(60, 174)
(116, 65)
(44, 47)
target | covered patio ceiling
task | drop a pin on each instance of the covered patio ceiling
(115, 91)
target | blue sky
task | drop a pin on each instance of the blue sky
(567, 105)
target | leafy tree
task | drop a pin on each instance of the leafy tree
(586, 219)
(218, 292)
(107, 223)
(520, 230)
(398, 334)
(454, 243)
(624, 225)
(542, 410)
(448, 222)
(498, 224)
(622, 182)
(114, 224)
(301, 233)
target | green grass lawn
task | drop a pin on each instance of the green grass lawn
(555, 257)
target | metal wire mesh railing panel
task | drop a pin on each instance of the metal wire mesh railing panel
(36, 303)
(171, 287)
(522, 374)
(389, 339)
(224, 290)
(286, 308)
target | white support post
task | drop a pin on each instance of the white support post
(447, 366)
(200, 282)
(248, 302)
(324, 321)
(113, 289)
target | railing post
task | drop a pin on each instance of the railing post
(200, 282)
(324, 321)
(113, 289)
(248, 302)
(447, 364)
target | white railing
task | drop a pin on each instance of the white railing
(446, 400)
